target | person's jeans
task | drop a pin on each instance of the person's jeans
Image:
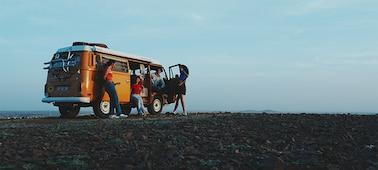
(156, 89)
(137, 98)
(114, 103)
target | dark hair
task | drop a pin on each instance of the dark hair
(185, 68)
(109, 63)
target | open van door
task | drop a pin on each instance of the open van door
(172, 82)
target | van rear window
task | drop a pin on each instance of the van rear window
(65, 59)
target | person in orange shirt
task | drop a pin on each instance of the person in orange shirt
(111, 90)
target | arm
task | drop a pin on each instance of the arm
(182, 78)
(181, 82)
(186, 74)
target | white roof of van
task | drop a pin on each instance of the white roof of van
(106, 51)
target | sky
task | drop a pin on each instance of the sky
(290, 56)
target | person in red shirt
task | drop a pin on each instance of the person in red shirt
(136, 89)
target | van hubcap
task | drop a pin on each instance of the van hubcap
(105, 107)
(157, 105)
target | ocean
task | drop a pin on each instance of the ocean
(34, 114)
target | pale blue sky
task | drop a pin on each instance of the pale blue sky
(293, 55)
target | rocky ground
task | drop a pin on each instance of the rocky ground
(199, 141)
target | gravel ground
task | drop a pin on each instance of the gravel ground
(198, 141)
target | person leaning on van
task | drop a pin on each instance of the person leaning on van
(111, 90)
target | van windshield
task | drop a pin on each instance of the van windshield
(65, 59)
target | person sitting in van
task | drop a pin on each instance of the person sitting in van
(136, 89)
(111, 90)
(181, 88)
(157, 81)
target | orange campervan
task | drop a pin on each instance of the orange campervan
(75, 79)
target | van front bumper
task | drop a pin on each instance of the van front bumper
(66, 100)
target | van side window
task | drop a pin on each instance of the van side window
(98, 60)
(121, 67)
(90, 60)
(104, 61)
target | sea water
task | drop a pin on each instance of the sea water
(34, 114)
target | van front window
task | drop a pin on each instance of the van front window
(65, 60)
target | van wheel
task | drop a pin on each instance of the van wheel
(126, 109)
(101, 109)
(156, 106)
(69, 111)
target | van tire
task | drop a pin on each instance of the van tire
(156, 106)
(69, 111)
(101, 108)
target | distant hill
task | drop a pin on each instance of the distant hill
(258, 111)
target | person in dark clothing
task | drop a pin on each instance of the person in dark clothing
(181, 89)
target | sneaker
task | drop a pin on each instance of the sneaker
(185, 114)
(123, 116)
(113, 117)
(174, 112)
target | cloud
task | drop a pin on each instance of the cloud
(196, 17)
(3, 41)
(341, 61)
(313, 6)
(43, 20)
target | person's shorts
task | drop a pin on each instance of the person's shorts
(181, 89)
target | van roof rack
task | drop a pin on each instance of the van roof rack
(90, 44)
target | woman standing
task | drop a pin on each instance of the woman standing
(136, 89)
(181, 89)
(111, 90)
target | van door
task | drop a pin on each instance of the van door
(121, 77)
(172, 83)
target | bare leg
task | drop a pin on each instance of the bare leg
(177, 102)
(183, 103)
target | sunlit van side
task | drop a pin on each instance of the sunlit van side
(74, 80)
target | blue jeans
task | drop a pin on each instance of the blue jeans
(114, 103)
(140, 107)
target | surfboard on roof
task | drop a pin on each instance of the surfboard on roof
(103, 48)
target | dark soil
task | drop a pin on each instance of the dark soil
(199, 141)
